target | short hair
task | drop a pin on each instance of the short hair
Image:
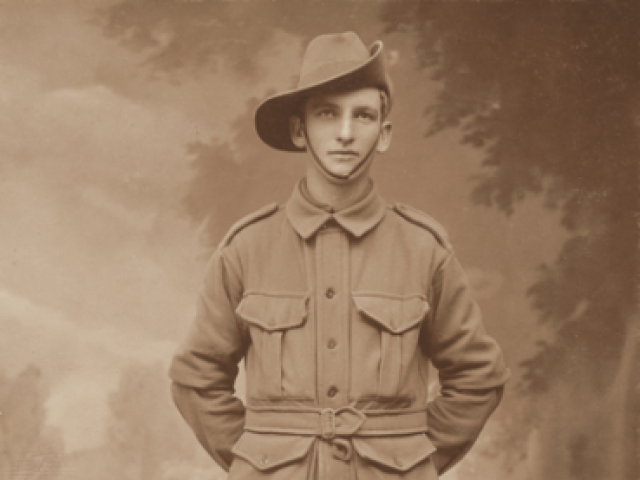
(385, 105)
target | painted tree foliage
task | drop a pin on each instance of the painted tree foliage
(549, 92)
(29, 449)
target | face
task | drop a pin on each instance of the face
(343, 129)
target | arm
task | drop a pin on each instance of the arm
(205, 367)
(470, 365)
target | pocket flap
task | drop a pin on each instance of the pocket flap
(399, 453)
(273, 312)
(395, 313)
(267, 451)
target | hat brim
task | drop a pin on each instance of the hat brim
(273, 114)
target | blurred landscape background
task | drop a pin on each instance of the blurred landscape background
(127, 149)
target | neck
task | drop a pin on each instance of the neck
(338, 195)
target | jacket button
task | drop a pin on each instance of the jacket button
(330, 293)
(333, 391)
(331, 344)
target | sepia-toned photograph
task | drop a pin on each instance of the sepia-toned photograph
(319, 240)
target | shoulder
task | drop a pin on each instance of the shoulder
(424, 221)
(251, 219)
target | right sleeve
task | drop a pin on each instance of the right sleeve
(206, 365)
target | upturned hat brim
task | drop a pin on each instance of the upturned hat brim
(273, 114)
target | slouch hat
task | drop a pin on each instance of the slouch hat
(334, 61)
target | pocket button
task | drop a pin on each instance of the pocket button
(332, 392)
(330, 293)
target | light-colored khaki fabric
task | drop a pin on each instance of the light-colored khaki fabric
(337, 317)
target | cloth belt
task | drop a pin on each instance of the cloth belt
(328, 423)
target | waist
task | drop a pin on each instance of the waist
(329, 423)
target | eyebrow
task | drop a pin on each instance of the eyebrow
(314, 104)
(322, 103)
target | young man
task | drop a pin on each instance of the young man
(337, 302)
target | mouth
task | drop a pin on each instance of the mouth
(346, 154)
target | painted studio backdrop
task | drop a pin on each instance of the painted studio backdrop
(127, 149)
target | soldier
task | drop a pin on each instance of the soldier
(337, 302)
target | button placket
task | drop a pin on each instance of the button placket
(332, 316)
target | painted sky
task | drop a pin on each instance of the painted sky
(99, 263)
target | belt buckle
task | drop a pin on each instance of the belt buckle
(328, 423)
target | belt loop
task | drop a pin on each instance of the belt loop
(328, 423)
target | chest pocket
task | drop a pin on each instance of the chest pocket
(280, 355)
(390, 327)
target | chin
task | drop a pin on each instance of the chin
(341, 172)
(342, 168)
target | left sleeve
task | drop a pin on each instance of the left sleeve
(470, 366)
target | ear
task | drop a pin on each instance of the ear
(297, 134)
(384, 140)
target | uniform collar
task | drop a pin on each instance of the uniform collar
(358, 219)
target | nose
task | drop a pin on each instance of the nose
(345, 134)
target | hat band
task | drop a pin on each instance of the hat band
(327, 72)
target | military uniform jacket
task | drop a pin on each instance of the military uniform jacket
(337, 316)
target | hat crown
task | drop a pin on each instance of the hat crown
(328, 55)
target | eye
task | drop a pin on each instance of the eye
(326, 113)
(366, 115)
